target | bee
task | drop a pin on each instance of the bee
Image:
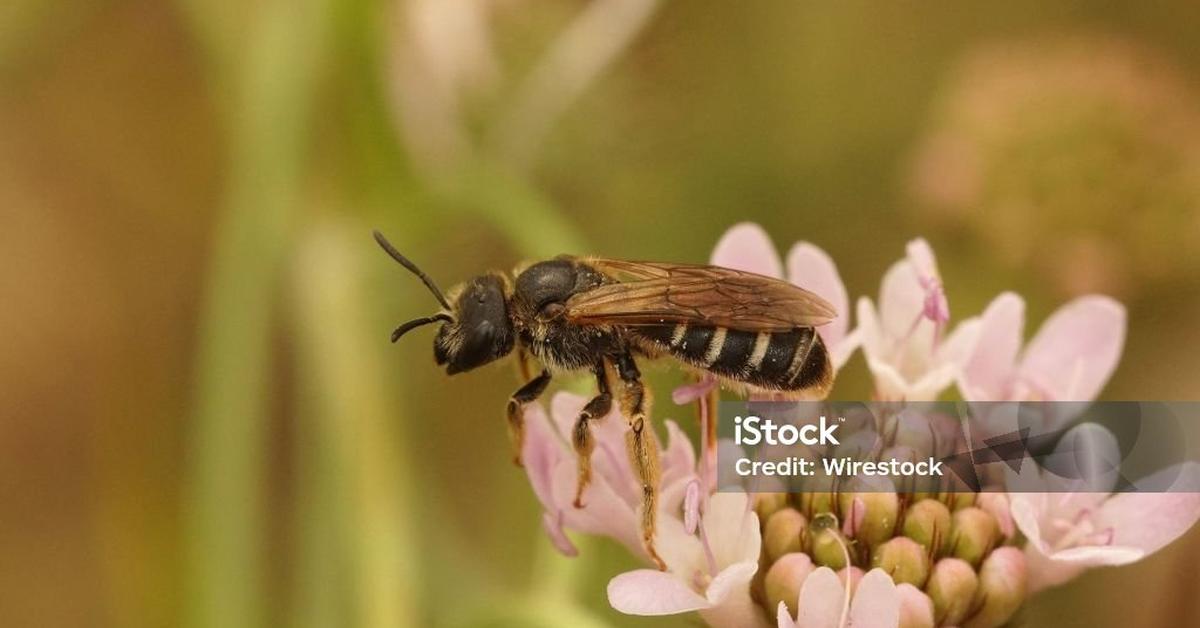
(755, 334)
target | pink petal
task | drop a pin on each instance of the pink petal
(564, 409)
(920, 255)
(1097, 555)
(678, 459)
(746, 246)
(540, 453)
(782, 618)
(1076, 350)
(683, 395)
(1045, 572)
(732, 528)
(735, 576)
(652, 592)
(1149, 521)
(552, 524)
(916, 609)
(992, 365)
(901, 301)
(812, 269)
(877, 603)
(821, 600)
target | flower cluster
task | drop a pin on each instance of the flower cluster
(865, 555)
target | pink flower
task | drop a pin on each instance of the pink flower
(1069, 359)
(903, 339)
(709, 571)
(612, 500)
(746, 246)
(825, 603)
(1069, 532)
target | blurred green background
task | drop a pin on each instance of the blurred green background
(203, 423)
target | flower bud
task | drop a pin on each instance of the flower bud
(973, 534)
(996, 505)
(903, 559)
(1002, 586)
(916, 609)
(819, 496)
(784, 533)
(870, 517)
(829, 547)
(959, 500)
(766, 504)
(951, 587)
(928, 522)
(785, 578)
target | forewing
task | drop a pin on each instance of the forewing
(651, 293)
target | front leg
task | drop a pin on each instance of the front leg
(527, 393)
(581, 437)
(642, 446)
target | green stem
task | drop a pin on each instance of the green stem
(224, 513)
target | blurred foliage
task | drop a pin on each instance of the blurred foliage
(205, 424)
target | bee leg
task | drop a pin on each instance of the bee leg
(528, 392)
(581, 436)
(642, 446)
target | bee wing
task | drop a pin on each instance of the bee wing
(652, 293)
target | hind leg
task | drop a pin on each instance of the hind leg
(642, 446)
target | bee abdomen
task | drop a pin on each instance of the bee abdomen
(786, 361)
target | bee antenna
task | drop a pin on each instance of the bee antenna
(417, 322)
(404, 261)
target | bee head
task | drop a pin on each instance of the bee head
(475, 328)
(480, 332)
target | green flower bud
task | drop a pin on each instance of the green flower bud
(903, 559)
(928, 522)
(829, 547)
(973, 534)
(1002, 587)
(870, 517)
(784, 533)
(766, 504)
(916, 609)
(996, 505)
(785, 578)
(952, 586)
(818, 497)
(958, 501)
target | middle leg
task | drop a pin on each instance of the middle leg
(581, 437)
(642, 446)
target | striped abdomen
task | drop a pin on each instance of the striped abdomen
(788, 361)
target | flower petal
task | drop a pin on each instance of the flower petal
(876, 603)
(916, 609)
(540, 453)
(552, 524)
(1076, 350)
(989, 371)
(730, 578)
(746, 246)
(732, 528)
(782, 618)
(1149, 521)
(821, 600)
(811, 268)
(901, 301)
(652, 592)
